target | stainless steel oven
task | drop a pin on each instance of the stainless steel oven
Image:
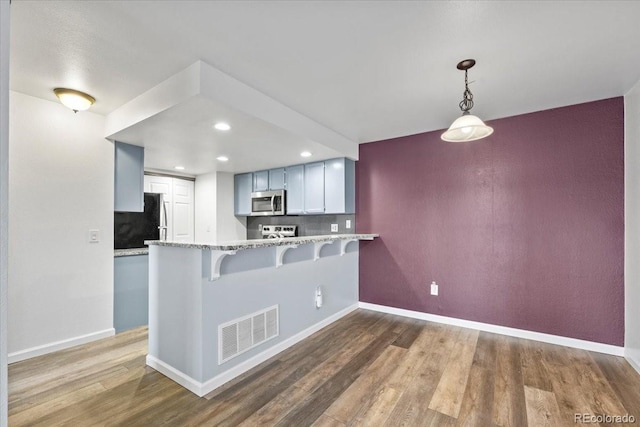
(268, 203)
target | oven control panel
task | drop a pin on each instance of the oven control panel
(279, 231)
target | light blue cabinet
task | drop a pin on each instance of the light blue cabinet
(261, 181)
(131, 292)
(314, 188)
(339, 186)
(243, 185)
(295, 189)
(129, 178)
(277, 180)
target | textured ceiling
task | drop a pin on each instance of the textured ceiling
(368, 70)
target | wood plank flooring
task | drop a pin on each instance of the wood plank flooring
(367, 369)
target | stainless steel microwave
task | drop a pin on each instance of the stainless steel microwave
(268, 203)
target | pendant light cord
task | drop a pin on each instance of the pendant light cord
(467, 97)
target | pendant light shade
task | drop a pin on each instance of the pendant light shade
(468, 127)
(74, 99)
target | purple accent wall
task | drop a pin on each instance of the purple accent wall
(523, 229)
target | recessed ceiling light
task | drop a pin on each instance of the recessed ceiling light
(179, 168)
(222, 126)
(305, 154)
(222, 158)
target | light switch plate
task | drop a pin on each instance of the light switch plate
(334, 228)
(94, 236)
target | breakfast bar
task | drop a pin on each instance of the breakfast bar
(217, 310)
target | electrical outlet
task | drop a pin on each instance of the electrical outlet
(434, 288)
(347, 224)
(334, 228)
(318, 297)
(94, 236)
(259, 227)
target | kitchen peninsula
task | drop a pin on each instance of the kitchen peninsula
(217, 310)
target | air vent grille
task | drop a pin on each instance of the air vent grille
(242, 334)
(230, 341)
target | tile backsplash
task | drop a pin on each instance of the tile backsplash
(308, 225)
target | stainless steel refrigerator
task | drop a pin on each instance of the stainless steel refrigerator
(131, 229)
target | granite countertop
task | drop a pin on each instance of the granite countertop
(130, 252)
(237, 245)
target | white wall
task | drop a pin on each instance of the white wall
(229, 227)
(4, 212)
(60, 187)
(205, 208)
(214, 217)
(632, 224)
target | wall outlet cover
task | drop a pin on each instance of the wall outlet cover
(434, 288)
(334, 228)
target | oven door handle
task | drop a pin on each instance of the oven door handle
(273, 208)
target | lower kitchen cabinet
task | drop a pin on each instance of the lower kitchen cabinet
(131, 292)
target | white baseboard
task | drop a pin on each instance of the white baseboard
(178, 376)
(202, 389)
(502, 330)
(633, 357)
(59, 345)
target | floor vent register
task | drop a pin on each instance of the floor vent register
(243, 334)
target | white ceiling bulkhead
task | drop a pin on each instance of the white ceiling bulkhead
(175, 122)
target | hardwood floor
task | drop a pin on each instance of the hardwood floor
(367, 369)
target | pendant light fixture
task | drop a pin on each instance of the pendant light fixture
(74, 99)
(468, 127)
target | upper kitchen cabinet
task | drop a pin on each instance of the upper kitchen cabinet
(277, 179)
(246, 183)
(243, 186)
(314, 188)
(295, 189)
(129, 178)
(339, 186)
(261, 181)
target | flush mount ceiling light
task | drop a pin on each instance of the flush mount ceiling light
(74, 99)
(222, 158)
(179, 168)
(468, 127)
(222, 126)
(305, 154)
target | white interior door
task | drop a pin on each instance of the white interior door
(183, 207)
